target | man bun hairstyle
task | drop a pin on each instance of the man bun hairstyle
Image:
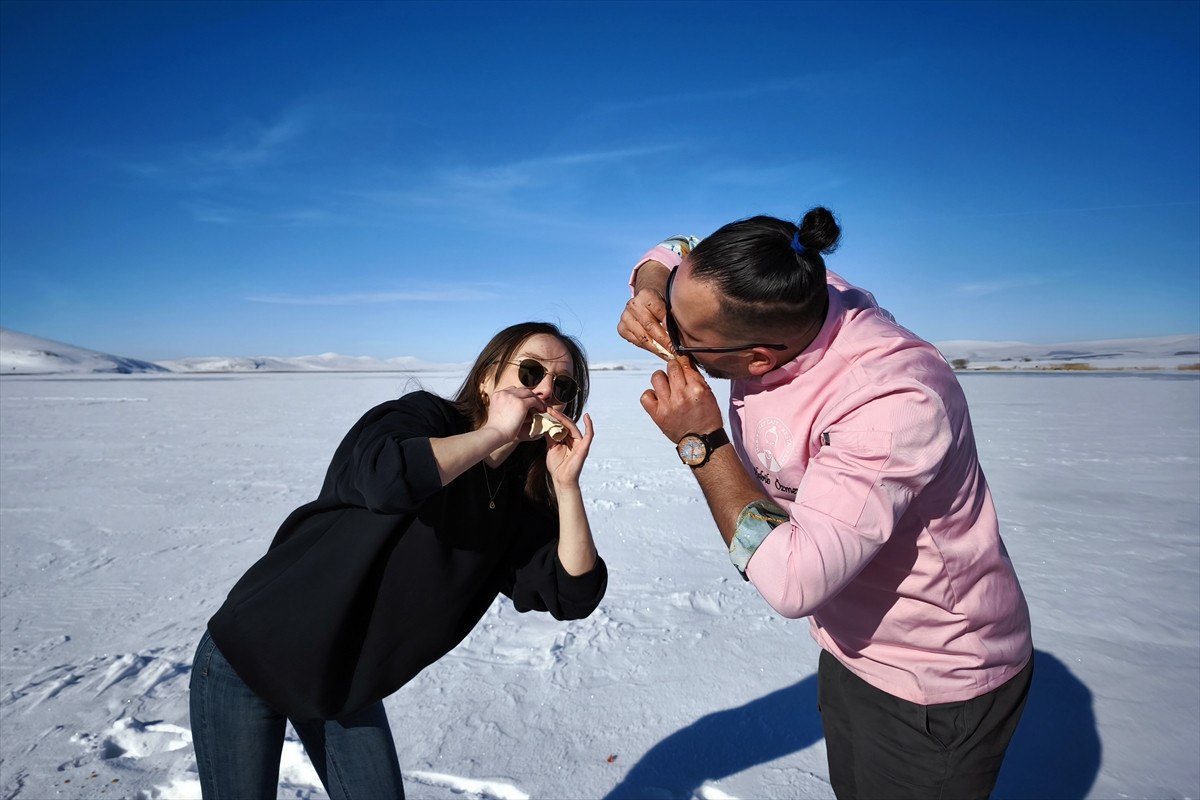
(820, 231)
(770, 271)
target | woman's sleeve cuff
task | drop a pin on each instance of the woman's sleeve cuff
(754, 524)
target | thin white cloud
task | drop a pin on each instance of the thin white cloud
(982, 288)
(1031, 212)
(532, 172)
(226, 214)
(815, 176)
(215, 215)
(246, 146)
(229, 182)
(799, 87)
(256, 144)
(447, 294)
(686, 100)
(533, 191)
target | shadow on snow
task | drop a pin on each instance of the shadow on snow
(726, 742)
(1054, 755)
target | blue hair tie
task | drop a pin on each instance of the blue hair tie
(799, 248)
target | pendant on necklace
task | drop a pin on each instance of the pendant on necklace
(488, 483)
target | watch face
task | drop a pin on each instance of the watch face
(692, 450)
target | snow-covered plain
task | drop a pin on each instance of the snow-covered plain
(130, 504)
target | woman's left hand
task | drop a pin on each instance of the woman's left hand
(564, 460)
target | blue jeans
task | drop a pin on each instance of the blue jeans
(239, 739)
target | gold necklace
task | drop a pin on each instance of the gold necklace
(492, 499)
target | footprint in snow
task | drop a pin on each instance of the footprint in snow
(702, 602)
(493, 790)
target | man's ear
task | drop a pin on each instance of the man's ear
(761, 362)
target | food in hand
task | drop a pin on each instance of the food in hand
(666, 353)
(546, 424)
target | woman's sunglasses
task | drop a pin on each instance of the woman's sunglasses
(531, 373)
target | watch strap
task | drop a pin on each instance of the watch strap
(715, 439)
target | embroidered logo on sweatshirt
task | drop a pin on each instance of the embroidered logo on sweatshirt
(772, 444)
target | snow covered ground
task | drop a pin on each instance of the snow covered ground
(130, 504)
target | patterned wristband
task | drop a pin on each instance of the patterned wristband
(680, 245)
(754, 524)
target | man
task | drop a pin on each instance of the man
(852, 495)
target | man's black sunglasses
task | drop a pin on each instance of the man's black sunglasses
(673, 332)
(530, 373)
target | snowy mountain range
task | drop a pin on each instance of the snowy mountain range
(23, 354)
(1159, 352)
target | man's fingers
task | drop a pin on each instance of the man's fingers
(647, 312)
(692, 375)
(686, 382)
(629, 330)
(649, 402)
(690, 384)
(651, 336)
(662, 390)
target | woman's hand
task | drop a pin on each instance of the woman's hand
(509, 410)
(564, 460)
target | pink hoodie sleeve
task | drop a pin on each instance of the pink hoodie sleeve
(659, 253)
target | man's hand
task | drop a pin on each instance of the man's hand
(643, 318)
(681, 401)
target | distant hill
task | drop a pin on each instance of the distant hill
(1159, 352)
(22, 354)
(326, 362)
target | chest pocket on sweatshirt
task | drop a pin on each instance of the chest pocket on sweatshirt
(844, 473)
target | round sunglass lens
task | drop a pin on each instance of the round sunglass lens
(530, 373)
(565, 389)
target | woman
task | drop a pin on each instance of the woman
(430, 509)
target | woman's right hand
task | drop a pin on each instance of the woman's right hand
(508, 412)
(644, 316)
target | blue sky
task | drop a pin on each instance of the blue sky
(380, 179)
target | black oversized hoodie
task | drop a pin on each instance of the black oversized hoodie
(387, 570)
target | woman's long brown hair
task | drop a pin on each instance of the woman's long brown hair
(498, 352)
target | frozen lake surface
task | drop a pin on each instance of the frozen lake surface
(129, 505)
